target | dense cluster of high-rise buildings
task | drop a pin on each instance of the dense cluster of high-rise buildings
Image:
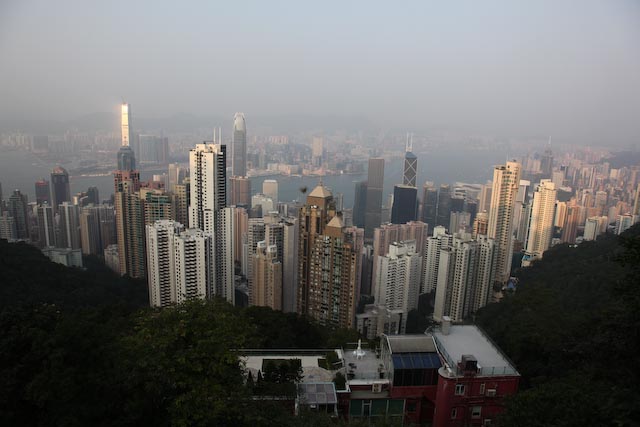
(199, 232)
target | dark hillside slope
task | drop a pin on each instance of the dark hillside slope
(573, 330)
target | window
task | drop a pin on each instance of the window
(411, 406)
(476, 411)
(482, 388)
(454, 413)
(459, 390)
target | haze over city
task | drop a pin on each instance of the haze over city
(568, 69)
(330, 214)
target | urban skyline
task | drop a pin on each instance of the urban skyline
(328, 214)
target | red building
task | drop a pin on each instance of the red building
(474, 379)
(453, 377)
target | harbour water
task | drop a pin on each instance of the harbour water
(20, 169)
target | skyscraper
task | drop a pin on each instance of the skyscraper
(129, 215)
(506, 179)
(156, 205)
(410, 174)
(90, 239)
(208, 212)
(240, 191)
(386, 234)
(7, 227)
(181, 198)
(69, 226)
(464, 276)
(444, 206)
(18, 205)
(541, 221)
(43, 192)
(46, 226)
(397, 280)
(266, 288)
(360, 204)
(327, 263)
(239, 146)
(178, 267)
(60, 190)
(126, 156)
(405, 204)
(429, 204)
(208, 184)
(546, 162)
(125, 121)
(161, 262)
(375, 184)
(270, 189)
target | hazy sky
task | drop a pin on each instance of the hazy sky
(570, 69)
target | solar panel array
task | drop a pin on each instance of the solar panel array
(416, 361)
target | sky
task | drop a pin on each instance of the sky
(566, 69)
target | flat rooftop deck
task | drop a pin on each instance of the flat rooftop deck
(469, 339)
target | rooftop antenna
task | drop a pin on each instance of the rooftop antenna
(220, 134)
(214, 135)
(409, 143)
(359, 352)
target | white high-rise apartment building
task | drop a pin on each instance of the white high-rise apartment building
(208, 212)
(595, 226)
(191, 248)
(69, 226)
(223, 255)
(506, 180)
(397, 280)
(46, 225)
(464, 276)
(431, 262)
(540, 227)
(177, 263)
(160, 262)
(208, 164)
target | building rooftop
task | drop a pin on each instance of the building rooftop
(419, 343)
(363, 368)
(470, 340)
(321, 192)
(312, 372)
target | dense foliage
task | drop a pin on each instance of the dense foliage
(80, 347)
(573, 331)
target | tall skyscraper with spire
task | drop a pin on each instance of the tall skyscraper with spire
(506, 179)
(239, 146)
(128, 206)
(410, 174)
(126, 157)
